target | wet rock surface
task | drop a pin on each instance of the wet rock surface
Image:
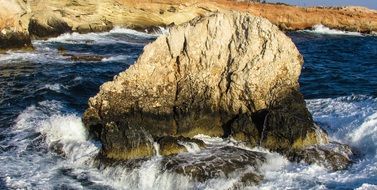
(78, 57)
(214, 162)
(219, 162)
(334, 156)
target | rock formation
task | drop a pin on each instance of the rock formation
(225, 75)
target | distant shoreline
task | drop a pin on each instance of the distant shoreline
(20, 22)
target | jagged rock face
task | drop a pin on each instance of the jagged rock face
(52, 28)
(228, 74)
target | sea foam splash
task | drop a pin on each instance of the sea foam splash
(321, 29)
(111, 37)
(56, 142)
(37, 130)
(61, 144)
(45, 55)
(351, 120)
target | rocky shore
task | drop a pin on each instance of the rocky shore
(21, 21)
(228, 75)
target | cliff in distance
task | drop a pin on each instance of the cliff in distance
(47, 18)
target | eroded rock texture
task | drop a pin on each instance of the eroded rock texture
(225, 75)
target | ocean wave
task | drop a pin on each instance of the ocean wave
(367, 186)
(54, 87)
(64, 135)
(321, 29)
(99, 38)
(352, 120)
(159, 31)
(39, 56)
(38, 130)
(116, 58)
(341, 116)
(365, 136)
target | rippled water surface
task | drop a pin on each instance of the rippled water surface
(43, 93)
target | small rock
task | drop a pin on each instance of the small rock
(219, 162)
(96, 58)
(334, 156)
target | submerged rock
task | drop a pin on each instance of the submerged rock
(83, 57)
(334, 155)
(212, 163)
(226, 75)
(215, 162)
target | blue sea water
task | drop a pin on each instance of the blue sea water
(43, 94)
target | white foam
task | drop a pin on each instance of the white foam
(321, 29)
(350, 119)
(40, 127)
(116, 58)
(54, 87)
(64, 128)
(341, 116)
(365, 136)
(77, 78)
(99, 38)
(367, 186)
(147, 177)
(38, 56)
(156, 147)
(190, 147)
(120, 30)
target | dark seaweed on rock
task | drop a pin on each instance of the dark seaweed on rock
(11, 39)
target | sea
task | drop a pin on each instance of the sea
(43, 94)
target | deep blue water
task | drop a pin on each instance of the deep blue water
(29, 78)
(46, 88)
(337, 65)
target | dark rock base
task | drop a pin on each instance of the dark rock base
(12, 40)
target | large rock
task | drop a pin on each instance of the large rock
(225, 75)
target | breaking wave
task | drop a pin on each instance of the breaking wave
(63, 146)
(116, 35)
(321, 29)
